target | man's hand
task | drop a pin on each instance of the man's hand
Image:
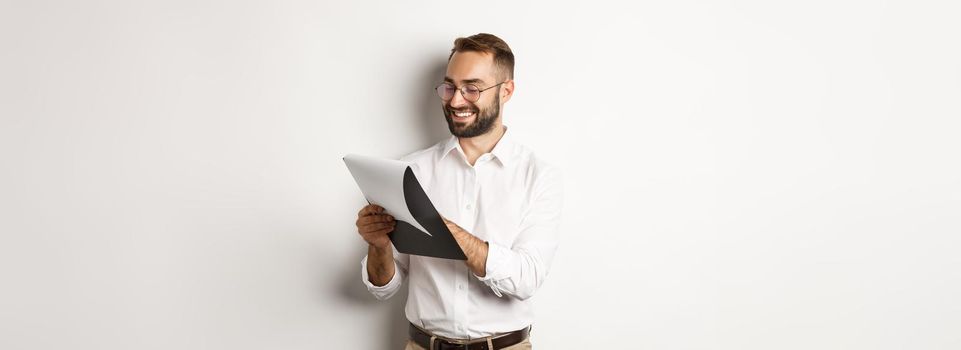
(374, 225)
(454, 229)
(474, 248)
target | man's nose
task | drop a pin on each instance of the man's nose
(458, 100)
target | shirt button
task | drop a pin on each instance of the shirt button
(468, 207)
(461, 287)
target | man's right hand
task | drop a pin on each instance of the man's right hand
(374, 225)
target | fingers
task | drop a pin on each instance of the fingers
(374, 224)
(370, 210)
(450, 223)
(377, 226)
(378, 233)
(374, 218)
(452, 227)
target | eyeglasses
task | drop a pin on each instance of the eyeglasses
(470, 92)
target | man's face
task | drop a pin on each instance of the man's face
(466, 118)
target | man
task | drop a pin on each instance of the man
(501, 203)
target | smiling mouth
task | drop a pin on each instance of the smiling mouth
(463, 115)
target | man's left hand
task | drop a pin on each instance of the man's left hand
(474, 248)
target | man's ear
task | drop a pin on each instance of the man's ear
(507, 91)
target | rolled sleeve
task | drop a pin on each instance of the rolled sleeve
(388, 290)
(521, 269)
(498, 258)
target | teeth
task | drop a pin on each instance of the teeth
(464, 114)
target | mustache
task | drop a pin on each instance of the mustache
(452, 110)
(468, 108)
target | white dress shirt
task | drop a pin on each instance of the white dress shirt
(510, 199)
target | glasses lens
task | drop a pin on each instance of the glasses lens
(445, 91)
(471, 93)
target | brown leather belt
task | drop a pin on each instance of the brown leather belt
(500, 341)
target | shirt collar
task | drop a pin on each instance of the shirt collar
(503, 150)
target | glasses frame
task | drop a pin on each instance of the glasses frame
(463, 93)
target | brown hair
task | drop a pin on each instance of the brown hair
(489, 43)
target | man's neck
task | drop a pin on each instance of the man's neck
(476, 146)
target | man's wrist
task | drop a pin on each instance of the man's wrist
(380, 250)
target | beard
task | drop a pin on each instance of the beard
(483, 119)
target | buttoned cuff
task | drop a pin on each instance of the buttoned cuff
(385, 291)
(498, 258)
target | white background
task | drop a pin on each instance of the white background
(739, 175)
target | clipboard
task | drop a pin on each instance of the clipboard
(419, 228)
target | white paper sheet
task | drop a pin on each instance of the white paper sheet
(382, 182)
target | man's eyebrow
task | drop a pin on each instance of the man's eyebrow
(465, 81)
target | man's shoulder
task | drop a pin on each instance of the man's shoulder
(529, 158)
(536, 168)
